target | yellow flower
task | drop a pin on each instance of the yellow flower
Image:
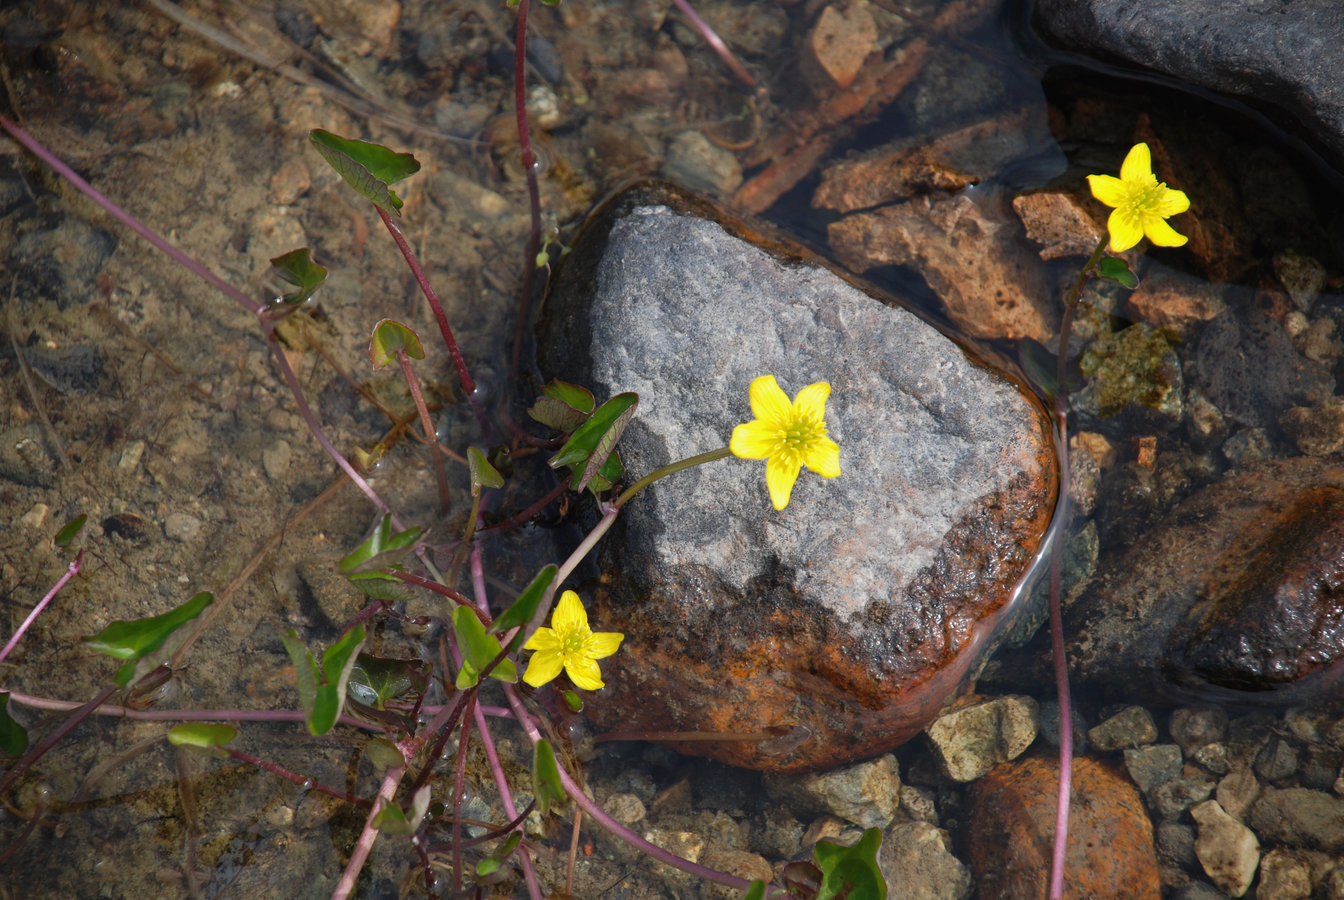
(1142, 203)
(787, 436)
(569, 644)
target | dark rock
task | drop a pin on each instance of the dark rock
(1011, 816)
(1300, 817)
(1250, 369)
(842, 624)
(60, 262)
(1274, 53)
(1235, 593)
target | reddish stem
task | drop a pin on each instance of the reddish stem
(463, 376)
(716, 44)
(428, 424)
(70, 572)
(530, 171)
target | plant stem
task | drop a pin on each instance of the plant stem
(600, 815)
(126, 218)
(413, 384)
(190, 715)
(463, 376)
(530, 172)
(364, 845)
(716, 44)
(293, 777)
(70, 572)
(672, 468)
(1059, 853)
(81, 713)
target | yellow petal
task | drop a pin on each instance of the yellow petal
(1138, 165)
(1162, 234)
(754, 440)
(779, 478)
(1125, 230)
(602, 644)
(584, 673)
(823, 457)
(569, 615)
(1108, 189)
(543, 639)
(543, 667)
(769, 403)
(1172, 203)
(810, 404)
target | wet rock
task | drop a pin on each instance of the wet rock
(1010, 833)
(965, 249)
(1316, 430)
(60, 261)
(1134, 371)
(1166, 298)
(1276, 760)
(1284, 875)
(1193, 727)
(699, 165)
(973, 738)
(1300, 817)
(1172, 798)
(1236, 792)
(866, 793)
(1058, 222)
(1232, 594)
(1301, 276)
(25, 458)
(742, 863)
(1279, 55)
(1130, 727)
(912, 168)
(75, 369)
(182, 527)
(836, 47)
(1154, 765)
(917, 857)
(1248, 366)
(839, 626)
(1227, 849)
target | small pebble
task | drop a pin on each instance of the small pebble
(1131, 727)
(1152, 766)
(181, 527)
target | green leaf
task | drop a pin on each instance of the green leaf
(377, 586)
(299, 270)
(383, 754)
(368, 168)
(388, 338)
(70, 531)
(374, 680)
(133, 640)
(756, 891)
(13, 736)
(851, 871)
(383, 549)
(611, 472)
(588, 449)
(491, 864)
(482, 473)
(209, 737)
(322, 691)
(391, 820)
(546, 787)
(1116, 269)
(563, 406)
(521, 611)
(478, 649)
(573, 701)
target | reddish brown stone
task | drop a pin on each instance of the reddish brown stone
(1237, 591)
(1011, 829)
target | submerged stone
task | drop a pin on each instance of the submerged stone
(1235, 595)
(836, 628)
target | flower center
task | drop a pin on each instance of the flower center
(801, 433)
(573, 641)
(1145, 197)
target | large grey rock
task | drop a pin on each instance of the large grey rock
(842, 623)
(1287, 54)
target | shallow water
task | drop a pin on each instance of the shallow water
(184, 448)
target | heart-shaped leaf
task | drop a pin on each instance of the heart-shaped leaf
(388, 338)
(522, 610)
(383, 549)
(546, 786)
(298, 269)
(322, 690)
(851, 871)
(478, 650)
